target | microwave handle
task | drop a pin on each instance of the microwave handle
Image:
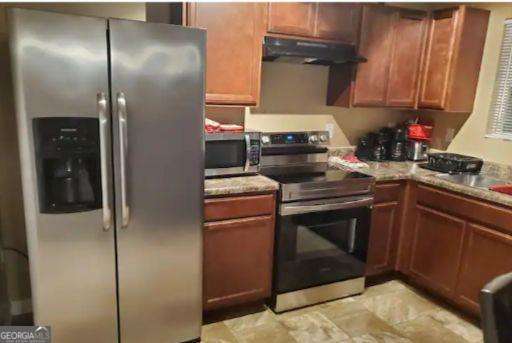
(247, 152)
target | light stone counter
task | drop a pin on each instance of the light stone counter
(238, 185)
(387, 171)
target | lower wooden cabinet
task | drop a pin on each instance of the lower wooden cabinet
(458, 244)
(381, 238)
(238, 257)
(386, 214)
(436, 250)
(487, 254)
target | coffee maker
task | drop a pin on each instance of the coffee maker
(68, 164)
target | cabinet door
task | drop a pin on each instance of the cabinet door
(487, 254)
(338, 22)
(292, 18)
(372, 76)
(438, 59)
(233, 50)
(237, 261)
(436, 250)
(406, 52)
(380, 250)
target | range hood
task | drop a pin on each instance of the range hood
(308, 52)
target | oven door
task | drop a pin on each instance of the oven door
(320, 242)
(231, 153)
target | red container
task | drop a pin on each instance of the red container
(419, 132)
(505, 189)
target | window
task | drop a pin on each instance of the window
(500, 116)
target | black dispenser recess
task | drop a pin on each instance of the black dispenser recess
(68, 164)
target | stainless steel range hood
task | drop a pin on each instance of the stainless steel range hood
(308, 52)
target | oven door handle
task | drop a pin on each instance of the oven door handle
(291, 209)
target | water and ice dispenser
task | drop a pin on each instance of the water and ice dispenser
(68, 164)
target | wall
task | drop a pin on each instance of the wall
(293, 98)
(471, 129)
(12, 225)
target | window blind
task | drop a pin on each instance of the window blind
(500, 116)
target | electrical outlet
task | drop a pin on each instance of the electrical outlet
(330, 128)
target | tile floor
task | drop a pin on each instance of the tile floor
(388, 313)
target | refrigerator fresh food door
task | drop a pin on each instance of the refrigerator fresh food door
(157, 74)
(60, 74)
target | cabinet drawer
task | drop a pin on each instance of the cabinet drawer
(238, 207)
(387, 192)
(475, 210)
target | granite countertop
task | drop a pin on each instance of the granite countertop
(387, 171)
(239, 185)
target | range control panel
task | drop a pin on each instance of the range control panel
(295, 138)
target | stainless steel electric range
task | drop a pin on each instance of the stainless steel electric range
(323, 221)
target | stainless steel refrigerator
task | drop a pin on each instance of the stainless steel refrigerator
(110, 124)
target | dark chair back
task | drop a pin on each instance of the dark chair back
(496, 309)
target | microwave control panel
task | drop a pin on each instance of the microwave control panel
(254, 153)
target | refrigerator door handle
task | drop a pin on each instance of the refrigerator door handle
(104, 134)
(123, 146)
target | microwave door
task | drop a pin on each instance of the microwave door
(232, 154)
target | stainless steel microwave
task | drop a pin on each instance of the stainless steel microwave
(232, 153)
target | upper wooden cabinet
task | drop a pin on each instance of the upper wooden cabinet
(375, 44)
(233, 50)
(453, 56)
(328, 21)
(292, 18)
(415, 60)
(339, 22)
(406, 52)
(392, 40)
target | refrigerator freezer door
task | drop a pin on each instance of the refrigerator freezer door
(60, 69)
(157, 74)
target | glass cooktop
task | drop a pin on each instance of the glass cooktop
(331, 175)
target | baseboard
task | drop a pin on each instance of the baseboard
(22, 306)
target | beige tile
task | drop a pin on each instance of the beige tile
(399, 306)
(302, 311)
(313, 327)
(385, 288)
(426, 330)
(268, 332)
(381, 337)
(363, 322)
(251, 321)
(342, 308)
(217, 333)
(456, 324)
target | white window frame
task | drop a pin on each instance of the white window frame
(499, 96)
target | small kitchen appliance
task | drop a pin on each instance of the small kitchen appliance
(322, 222)
(417, 150)
(397, 150)
(232, 153)
(453, 163)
